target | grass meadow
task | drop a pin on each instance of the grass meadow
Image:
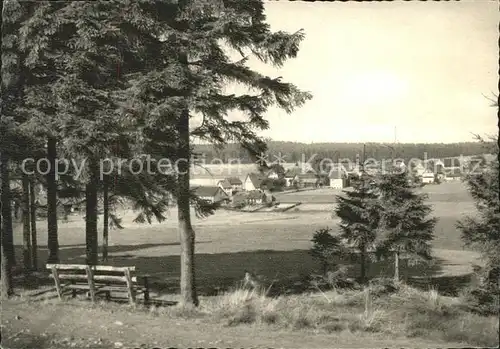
(250, 318)
(270, 244)
(284, 312)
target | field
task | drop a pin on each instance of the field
(271, 245)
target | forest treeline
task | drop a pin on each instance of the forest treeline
(297, 152)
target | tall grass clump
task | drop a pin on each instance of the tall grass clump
(243, 306)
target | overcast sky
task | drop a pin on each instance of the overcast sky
(419, 67)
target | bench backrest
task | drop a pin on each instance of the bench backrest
(104, 273)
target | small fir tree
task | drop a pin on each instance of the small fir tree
(405, 226)
(359, 218)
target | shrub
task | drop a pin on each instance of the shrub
(480, 300)
(333, 279)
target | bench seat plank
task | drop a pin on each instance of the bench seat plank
(93, 267)
(109, 278)
(100, 288)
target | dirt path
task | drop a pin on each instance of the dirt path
(122, 328)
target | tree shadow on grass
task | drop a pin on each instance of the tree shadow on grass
(282, 272)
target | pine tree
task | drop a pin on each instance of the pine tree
(171, 56)
(325, 248)
(191, 77)
(12, 14)
(359, 218)
(405, 226)
(36, 36)
(84, 51)
(482, 232)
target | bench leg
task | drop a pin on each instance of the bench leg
(90, 280)
(130, 287)
(57, 282)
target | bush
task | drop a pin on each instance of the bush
(331, 280)
(239, 205)
(480, 300)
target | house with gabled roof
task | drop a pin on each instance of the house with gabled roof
(226, 186)
(309, 179)
(212, 194)
(236, 183)
(253, 181)
(292, 176)
(428, 177)
(338, 178)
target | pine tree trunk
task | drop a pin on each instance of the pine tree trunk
(6, 241)
(52, 236)
(26, 222)
(6, 269)
(34, 244)
(105, 228)
(396, 266)
(186, 233)
(363, 264)
(325, 268)
(7, 231)
(91, 191)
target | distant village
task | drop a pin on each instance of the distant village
(257, 188)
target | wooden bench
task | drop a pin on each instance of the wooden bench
(98, 279)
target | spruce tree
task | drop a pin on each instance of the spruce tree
(12, 142)
(359, 218)
(76, 58)
(173, 61)
(191, 78)
(37, 36)
(482, 232)
(405, 226)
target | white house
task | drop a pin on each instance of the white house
(428, 177)
(338, 179)
(253, 181)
